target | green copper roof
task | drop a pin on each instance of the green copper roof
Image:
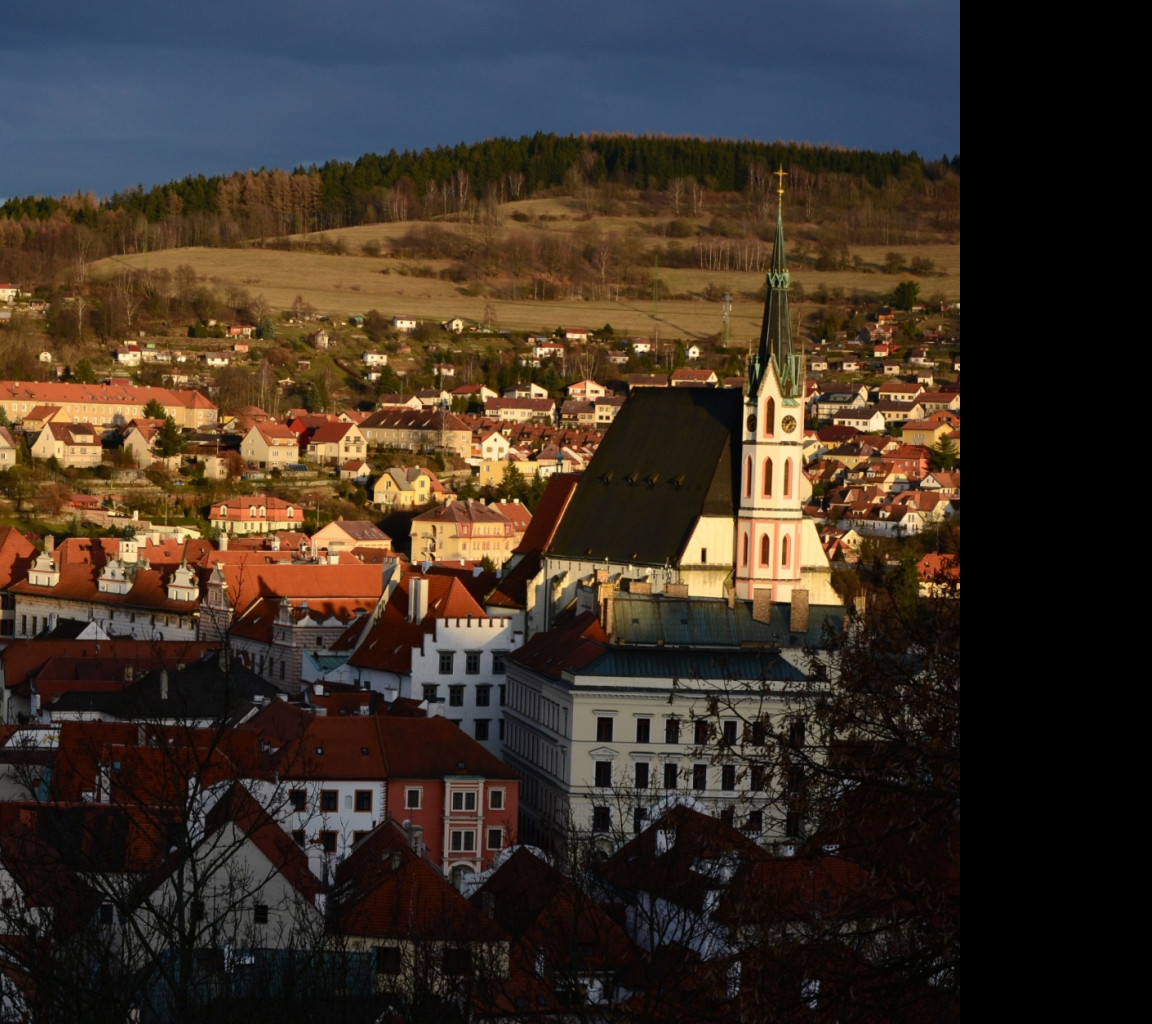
(776, 330)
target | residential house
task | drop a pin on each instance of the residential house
(687, 378)
(408, 487)
(72, 445)
(607, 409)
(270, 445)
(255, 513)
(528, 390)
(405, 324)
(375, 359)
(521, 410)
(345, 535)
(586, 389)
(8, 450)
(455, 325)
(462, 531)
(335, 443)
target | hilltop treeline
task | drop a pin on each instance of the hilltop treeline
(447, 182)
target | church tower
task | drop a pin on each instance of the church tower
(770, 527)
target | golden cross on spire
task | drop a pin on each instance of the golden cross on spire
(780, 176)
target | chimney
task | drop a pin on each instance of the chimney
(49, 544)
(762, 605)
(732, 599)
(223, 542)
(163, 684)
(416, 839)
(798, 621)
(417, 598)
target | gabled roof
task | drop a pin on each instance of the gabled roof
(384, 890)
(640, 497)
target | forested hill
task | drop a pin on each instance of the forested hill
(374, 187)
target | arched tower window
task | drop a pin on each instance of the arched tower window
(767, 478)
(748, 477)
(765, 550)
(787, 478)
(770, 417)
(744, 558)
(785, 551)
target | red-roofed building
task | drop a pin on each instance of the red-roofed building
(106, 404)
(335, 443)
(464, 530)
(270, 446)
(255, 513)
(430, 639)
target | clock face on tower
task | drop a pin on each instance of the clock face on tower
(751, 423)
(788, 423)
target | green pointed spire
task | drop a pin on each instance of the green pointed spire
(776, 331)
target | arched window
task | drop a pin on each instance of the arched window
(785, 550)
(769, 417)
(765, 550)
(767, 478)
(748, 477)
(744, 560)
(787, 478)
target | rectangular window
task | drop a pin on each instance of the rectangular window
(457, 962)
(672, 730)
(604, 729)
(483, 696)
(603, 774)
(496, 799)
(298, 799)
(329, 801)
(671, 771)
(364, 800)
(455, 696)
(387, 959)
(730, 732)
(495, 839)
(472, 663)
(463, 841)
(699, 777)
(260, 913)
(430, 691)
(643, 730)
(412, 799)
(481, 729)
(792, 824)
(756, 778)
(759, 732)
(796, 733)
(755, 823)
(601, 819)
(728, 777)
(639, 815)
(503, 695)
(701, 729)
(446, 660)
(328, 841)
(641, 774)
(498, 662)
(298, 837)
(463, 801)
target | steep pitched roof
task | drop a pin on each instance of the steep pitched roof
(668, 459)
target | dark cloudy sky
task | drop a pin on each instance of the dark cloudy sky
(103, 95)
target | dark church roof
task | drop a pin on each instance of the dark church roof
(668, 459)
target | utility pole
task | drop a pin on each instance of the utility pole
(727, 315)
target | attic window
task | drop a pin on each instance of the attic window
(632, 477)
(363, 751)
(678, 480)
(653, 479)
(319, 750)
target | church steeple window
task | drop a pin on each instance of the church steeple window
(788, 478)
(765, 550)
(767, 478)
(744, 559)
(748, 477)
(785, 551)
(769, 417)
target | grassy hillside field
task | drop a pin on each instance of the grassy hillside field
(341, 285)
